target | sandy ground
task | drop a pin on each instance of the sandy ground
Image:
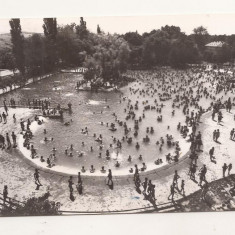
(17, 173)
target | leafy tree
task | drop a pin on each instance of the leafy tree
(200, 36)
(156, 48)
(200, 31)
(69, 46)
(183, 52)
(17, 40)
(110, 57)
(133, 38)
(7, 60)
(34, 53)
(172, 32)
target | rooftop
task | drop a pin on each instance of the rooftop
(215, 44)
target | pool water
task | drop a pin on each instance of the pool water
(89, 109)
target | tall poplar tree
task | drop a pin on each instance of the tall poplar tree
(17, 40)
(98, 29)
(50, 32)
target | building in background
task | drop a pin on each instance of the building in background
(5, 73)
(217, 52)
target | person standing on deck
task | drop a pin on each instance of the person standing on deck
(8, 141)
(14, 117)
(13, 139)
(4, 117)
(145, 185)
(172, 190)
(224, 168)
(110, 178)
(230, 166)
(5, 106)
(175, 179)
(5, 194)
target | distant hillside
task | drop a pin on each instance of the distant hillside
(5, 39)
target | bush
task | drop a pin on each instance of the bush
(33, 206)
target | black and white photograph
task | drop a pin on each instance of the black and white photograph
(104, 115)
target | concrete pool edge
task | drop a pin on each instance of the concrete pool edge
(155, 171)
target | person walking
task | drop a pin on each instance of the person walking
(8, 141)
(202, 175)
(204, 171)
(36, 178)
(4, 117)
(136, 171)
(70, 181)
(175, 179)
(152, 193)
(5, 194)
(214, 135)
(110, 178)
(172, 192)
(182, 187)
(14, 118)
(145, 185)
(224, 168)
(211, 153)
(13, 139)
(5, 106)
(137, 181)
(22, 125)
(79, 184)
(204, 191)
(192, 171)
(217, 135)
(230, 166)
(79, 178)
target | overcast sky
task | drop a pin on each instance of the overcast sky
(215, 23)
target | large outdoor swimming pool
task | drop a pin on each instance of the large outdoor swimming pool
(89, 109)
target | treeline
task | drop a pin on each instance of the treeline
(107, 55)
(170, 46)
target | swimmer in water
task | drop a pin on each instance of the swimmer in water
(102, 170)
(80, 154)
(83, 169)
(92, 169)
(144, 167)
(42, 159)
(117, 164)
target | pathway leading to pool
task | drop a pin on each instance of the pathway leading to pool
(17, 173)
